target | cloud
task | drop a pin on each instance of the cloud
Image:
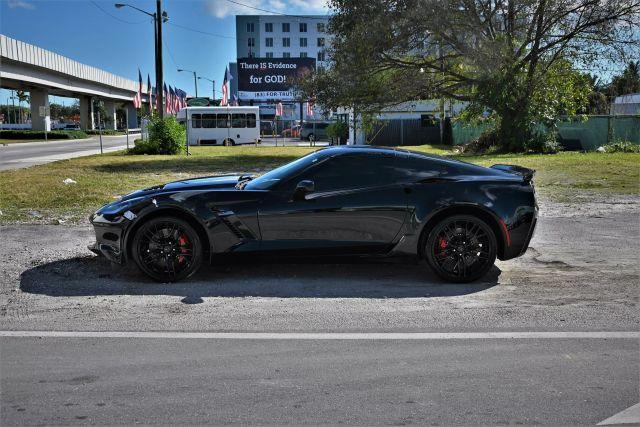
(20, 4)
(224, 8)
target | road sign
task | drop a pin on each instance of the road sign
(44, 111)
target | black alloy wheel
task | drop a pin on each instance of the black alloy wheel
(461, 248)
(167, 249)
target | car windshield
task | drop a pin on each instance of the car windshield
(273, 177)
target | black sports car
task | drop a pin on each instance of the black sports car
(349, 200)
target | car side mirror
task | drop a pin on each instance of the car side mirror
(302, 189)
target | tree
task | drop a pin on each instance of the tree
(627, 82)
(514, 58)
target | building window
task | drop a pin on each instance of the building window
(321, 56)
(303, 42)
(285, 27)
(286, 42)
(268, 27)
(269, 54)
(303, 27)
(268, 42)
(320, 27)
(320, 41)
(251, 42)
(303, 54)
(286, 55)
(250, 27)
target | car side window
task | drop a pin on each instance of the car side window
(412, 168)
(353, 171)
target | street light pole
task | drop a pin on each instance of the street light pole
(213, 82)
(158, 18)
(195, 78)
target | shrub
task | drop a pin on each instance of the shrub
(338, 130)
(487, 141)
(166, 136)
(105, 132)
(38, 134)
(543, 142)
(622, 146)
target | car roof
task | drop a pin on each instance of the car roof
(469, 167)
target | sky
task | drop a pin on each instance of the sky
(121, 40)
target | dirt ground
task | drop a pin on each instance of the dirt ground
(581, 272)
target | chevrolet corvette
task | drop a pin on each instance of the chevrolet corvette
(351, 200)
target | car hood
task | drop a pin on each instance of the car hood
(226, 182)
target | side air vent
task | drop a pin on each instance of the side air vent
(208, 142)
(236, 232)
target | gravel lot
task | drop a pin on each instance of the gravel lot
(581, 272)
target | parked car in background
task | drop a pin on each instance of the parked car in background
(293, 131)
(314, 131)
(72, 126)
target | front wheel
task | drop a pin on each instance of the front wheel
(167, 249)
(461, 248)
(228, 142)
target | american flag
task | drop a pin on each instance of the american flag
(149, 93)
(279, 109)
(310, 105)
(225, 87)
(167, 103)
(137, 100)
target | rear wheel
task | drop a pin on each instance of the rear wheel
(167, 249)
(228, 142)
(461, 248)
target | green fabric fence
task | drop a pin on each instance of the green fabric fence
(587, 134)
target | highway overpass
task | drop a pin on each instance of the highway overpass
(42, 73)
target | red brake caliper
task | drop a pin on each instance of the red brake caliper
(442, 244)
(183, 241)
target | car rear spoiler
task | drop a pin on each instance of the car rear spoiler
(525, 173)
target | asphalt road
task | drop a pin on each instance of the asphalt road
(192, 382)
(579, 276)
(25, 154)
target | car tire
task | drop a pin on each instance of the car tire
(167, 249)
(461, 248)
(228, 142)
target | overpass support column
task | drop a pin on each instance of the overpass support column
(86, 113)
(39, 98)
(110, 120)
(133, 116)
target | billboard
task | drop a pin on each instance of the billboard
(263, 79)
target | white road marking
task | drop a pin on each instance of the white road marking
(328, 335)
(630, 415)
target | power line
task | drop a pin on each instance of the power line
(200, 31)
(115, 17)
(273, 12)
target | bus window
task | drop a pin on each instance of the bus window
(251, 120)
(195, 121)
(209, 121)
(239, 120)
(223, 120)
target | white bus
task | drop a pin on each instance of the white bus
(221, 125)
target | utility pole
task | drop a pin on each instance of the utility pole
(159, 75)
(158, 18)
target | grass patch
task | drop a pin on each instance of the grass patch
(17, 141)
(38, 194)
